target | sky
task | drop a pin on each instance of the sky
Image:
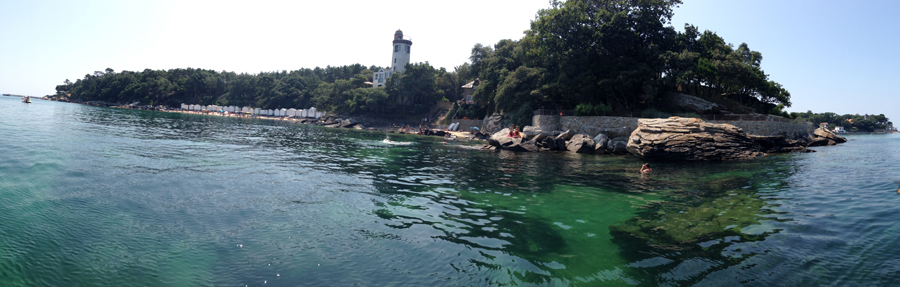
(832, 56)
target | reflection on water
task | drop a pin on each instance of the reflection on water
(98, 196)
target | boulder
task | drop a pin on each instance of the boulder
(567, 135)
(819, 141)
(348, 123)
(553, 143)
(540, 137)
(501, 140)
(529, 132)
(617, 145)
(600, 143)
(690, 139)
(828, 135)
(580, 143)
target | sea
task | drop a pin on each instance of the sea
(95, 196)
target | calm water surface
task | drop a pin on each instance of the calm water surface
(95, 196)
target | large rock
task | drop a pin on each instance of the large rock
(529, 132)
(617, 145)
(502, 140)
(580, 143)
(552, 143)
(567, 135)
(689, 139)
(829, 136)
(600, 143)
(348, 123)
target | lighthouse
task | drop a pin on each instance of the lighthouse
(399, 59)
(401, 52)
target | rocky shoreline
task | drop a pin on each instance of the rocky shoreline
(671, 139)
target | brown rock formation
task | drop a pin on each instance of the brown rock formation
(690, 139)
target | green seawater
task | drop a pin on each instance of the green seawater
(94, 196)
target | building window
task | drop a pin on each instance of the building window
(407, 49)
(395, 60)
(396, 48)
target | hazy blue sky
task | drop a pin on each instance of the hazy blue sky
(831, 55)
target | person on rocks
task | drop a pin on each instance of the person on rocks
(645, 169)
(512, 131)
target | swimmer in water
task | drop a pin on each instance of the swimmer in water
(646, 168)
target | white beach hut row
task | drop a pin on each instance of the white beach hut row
(297, 113)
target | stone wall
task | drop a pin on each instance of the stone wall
(612, 126)
(623, 126)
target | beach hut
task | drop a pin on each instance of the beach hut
(301, 113)
(194, 107)
(292, 112)
(320, 114)
(245, 110)
(255, 111)
(312, 112)
(183, 106)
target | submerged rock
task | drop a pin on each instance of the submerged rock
(690, 139)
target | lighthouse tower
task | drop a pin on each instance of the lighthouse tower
(401, 52)
(399, 59)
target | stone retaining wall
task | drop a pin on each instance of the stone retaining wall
(623, 126)
(593, 125)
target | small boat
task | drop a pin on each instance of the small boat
(26, 100)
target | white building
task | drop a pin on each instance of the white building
(399, 59)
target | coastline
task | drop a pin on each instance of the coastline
(330, 121)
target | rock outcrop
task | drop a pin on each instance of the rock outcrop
(690, 139)
(822, 137)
